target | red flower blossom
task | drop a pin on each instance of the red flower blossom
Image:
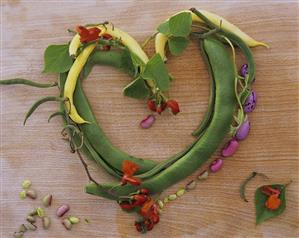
(88, 35)
(174, 106)
(151, 104)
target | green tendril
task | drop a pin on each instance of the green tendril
(246, 181)
(56, 114)
(38, 103)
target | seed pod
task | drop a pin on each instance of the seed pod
(22, 194)
(31, 226)
(40, 212)
(180, 192)
(216, 165)
(26, 184)
(47, 200)
(18, 234)
(172, 197)
(204, 175)
(62, 210)
(191, 185)
(160, 204)
(230, 148)
(74, 220)
(31, 219)
(22, 228)
(46, 222)
(31, 193)
(67, 224)
(243, 131)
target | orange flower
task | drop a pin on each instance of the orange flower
(273, 202)
(129, 168)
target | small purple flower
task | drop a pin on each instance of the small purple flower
(250, 102)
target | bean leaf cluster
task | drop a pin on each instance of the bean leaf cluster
(177, 28)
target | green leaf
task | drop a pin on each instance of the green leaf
(156, 70)
(263, 213)
(57, 59)
(137, 63)
(136, 89)
(177, 45)
(180, 24)
(164, 28)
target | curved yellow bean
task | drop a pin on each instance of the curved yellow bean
(160, 42)
(124, 37)
(71, 82)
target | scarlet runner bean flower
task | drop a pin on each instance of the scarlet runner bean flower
(129, 168)
(174, 106)
(151, 104)
(88, 35)
(273, 202)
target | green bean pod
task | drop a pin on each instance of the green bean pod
(208, 115)
(225, 104)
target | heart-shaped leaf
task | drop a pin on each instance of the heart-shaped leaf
(156, 70)
(136, 89)
(262, 212)
(57, 59)
(164, 28)
(177, 45)
(180, 24)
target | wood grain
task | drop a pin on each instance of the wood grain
(214, 209)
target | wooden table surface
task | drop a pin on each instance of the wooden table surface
(214, 209)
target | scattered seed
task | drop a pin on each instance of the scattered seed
(31, 219)
(67, 224)
(165, 200)
(31, 226)
(47, 200)
(22, 228)
(18, 234)
(46, 222)
(31, 193)
(74, 220)
(33, 213)
(180, 192)
(86, 221)
(62, 210)
(40, 212)
(172, 197)
(26, 184)
(204, 175)
(191, 185)
(22, 194)
(160, 204)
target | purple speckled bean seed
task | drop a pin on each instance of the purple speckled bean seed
(244, 70)
(62, 210)
(230, 148)
(243, 131)
(147, 122)
(216, 165)
(250, 102)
